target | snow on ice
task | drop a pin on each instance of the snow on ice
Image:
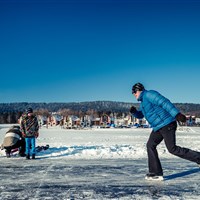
(99, 164)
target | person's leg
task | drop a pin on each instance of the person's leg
(33, 148)
(22, 147)
(169, 135)
(28, 143)
(8, 151)
(16, 146)
(155, 167)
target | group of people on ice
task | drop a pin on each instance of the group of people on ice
(23, 136)
(161, 114)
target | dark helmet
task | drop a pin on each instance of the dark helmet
(137, 87)
(29, 110)
(15, 127)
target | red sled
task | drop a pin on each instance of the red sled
(14, 150)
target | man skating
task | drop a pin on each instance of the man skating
(162, 115)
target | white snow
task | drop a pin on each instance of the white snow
(99, 164)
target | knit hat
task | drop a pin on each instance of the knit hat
(29, 110)
(137, 87)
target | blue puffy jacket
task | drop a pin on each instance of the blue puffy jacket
(156, 109)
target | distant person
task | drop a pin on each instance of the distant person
(62, 123)
(30, 128)
(13, 139)
(162, 116)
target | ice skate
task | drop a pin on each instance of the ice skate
(154, 177)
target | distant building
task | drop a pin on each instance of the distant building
(54, 119)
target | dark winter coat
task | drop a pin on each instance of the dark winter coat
(29, 126)
(13, 135)
(156, 109)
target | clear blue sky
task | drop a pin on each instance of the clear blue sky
(88, 50)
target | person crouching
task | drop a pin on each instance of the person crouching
(13, 139)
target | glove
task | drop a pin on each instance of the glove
(133, 110)
(36, 135)
(180, 117)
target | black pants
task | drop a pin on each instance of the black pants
(20, 144)
(168, 134)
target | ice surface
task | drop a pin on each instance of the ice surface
(99, 164)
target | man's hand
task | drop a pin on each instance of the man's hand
(36, 135)
(180, 117)
(133, 110)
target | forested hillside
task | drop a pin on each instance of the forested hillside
(10, 112)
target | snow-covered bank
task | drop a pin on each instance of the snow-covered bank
(105, 143)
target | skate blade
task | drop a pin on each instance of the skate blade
(155, 178)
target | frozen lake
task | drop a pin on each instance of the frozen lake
(99, 164)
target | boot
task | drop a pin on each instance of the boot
(22, 154)
(154, 177)
(33, 156)
(27, 157)
(7, 155)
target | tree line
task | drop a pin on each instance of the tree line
(11, 112)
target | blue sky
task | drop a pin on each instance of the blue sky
(90, 50)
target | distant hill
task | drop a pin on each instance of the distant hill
(76, 106)
(103, 106)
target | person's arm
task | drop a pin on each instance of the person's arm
(36, 127)
(22, 128)
(136, 113)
